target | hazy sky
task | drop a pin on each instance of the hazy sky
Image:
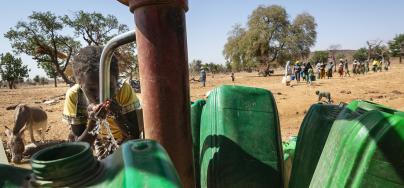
(346, 22)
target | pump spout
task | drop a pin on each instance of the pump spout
(105, 61)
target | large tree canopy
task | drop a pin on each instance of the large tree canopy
(396, 46)
(94, 28)
(320, 56)
(303, 31)
(270, 37)
(361, 54)
(234, 50)
(41, 38)
(12, 69)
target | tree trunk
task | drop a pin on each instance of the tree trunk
(64, 77)
(61, 73)
(55, 79)
(10, 84)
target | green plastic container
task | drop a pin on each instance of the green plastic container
(311, 139)
(13, 177)
(240, 142)
(365, 148)
(288, 157)
(67, 164)
(138, 163)
(196, 112)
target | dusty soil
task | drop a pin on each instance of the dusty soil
(292, 101)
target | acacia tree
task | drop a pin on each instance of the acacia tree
(128, 64)
(268, 29)
(12, 70)
(320, 56)
(94, 28)
(372, 46)
(333, 49)
(396, 46)
(234, 50)
(270, 39)
(41, 38)
(195, 66)
(303, 32)
(361, 54)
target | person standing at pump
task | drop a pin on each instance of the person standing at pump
(202, 77)
(81, 109)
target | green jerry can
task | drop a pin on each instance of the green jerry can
(196, 111)
(365, 148)
(288, 156)
(311, 139)
(138, 163)
(240, 142)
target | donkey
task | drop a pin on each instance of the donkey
(25, 117)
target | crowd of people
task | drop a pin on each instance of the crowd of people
(308, 72)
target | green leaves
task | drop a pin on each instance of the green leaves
(320, 56)
(397, 45)
(94, 28)
(40, 37)
(270, 37)
(12, 69)
(361, 54)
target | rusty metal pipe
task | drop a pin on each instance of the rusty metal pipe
(105, 61)
(163, 67)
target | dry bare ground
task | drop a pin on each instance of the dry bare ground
(383, 87)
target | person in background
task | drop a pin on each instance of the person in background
(366, 65)
(322, 75)
(387, 65)
(318, 69)
(302, 72)
(329, 67)
(202, 77)
(346, 68)
(306, 71)
(310, 76)
(355, 68)
(297, 68)
(232, 76)
(375, 63)
(341, 68)
(362, 68)
(380, 65)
